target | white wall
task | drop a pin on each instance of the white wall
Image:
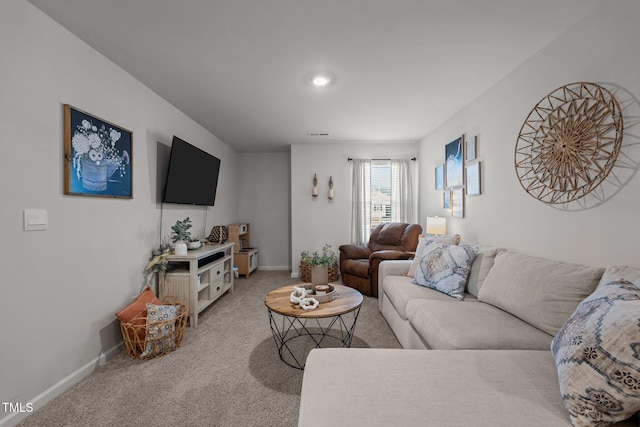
(61, 287)
(264, 179)
(316, 221)
(600, 49)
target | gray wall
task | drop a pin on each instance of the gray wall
(601, 49)
(317, 221)
(263, 202)
(61, 287)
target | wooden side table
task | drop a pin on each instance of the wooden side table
(291, 325)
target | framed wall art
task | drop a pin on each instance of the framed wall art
(446, 199)
(439, 177)
(472, 173)
(454, 163)
(97, 156)
(457, 202)
(471, 145)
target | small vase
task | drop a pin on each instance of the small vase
(319, 275)
(180, 248)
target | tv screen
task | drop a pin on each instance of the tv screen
(192, 175)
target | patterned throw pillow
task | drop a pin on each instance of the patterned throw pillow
(597, 354)
(445, 268)
(160, 331)
(423, 241)
(219, 234)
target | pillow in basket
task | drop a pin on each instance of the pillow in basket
(135, 314)
(161, 327)
(138, 307)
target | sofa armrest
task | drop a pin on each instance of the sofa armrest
(389, 254)
(393, 268)
(354, 252)
(390, 268)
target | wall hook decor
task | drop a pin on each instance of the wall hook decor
(330, 188)
(314, 192)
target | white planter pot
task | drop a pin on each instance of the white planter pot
(180, 248)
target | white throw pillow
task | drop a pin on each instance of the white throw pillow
(597, 356)
(423, 241)
(445, 268)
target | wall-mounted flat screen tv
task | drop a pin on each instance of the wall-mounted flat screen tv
(192, 175)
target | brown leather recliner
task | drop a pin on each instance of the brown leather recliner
(359, 264)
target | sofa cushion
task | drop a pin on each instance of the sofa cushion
(539, 291)
(597, 356)
(445, 268)
(416, 388)
(480, 267)
(425, 240)
(399, 290)
(456, 325)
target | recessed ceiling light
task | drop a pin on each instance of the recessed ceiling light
(320, 80)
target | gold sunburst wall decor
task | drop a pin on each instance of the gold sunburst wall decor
(569, 143)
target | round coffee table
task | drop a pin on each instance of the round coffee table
(331, 321)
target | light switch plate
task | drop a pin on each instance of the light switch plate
(36, 219)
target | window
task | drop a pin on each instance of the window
(382, 192)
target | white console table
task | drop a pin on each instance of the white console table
(199, 278)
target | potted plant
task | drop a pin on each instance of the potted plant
(319, 264)
(181, 235)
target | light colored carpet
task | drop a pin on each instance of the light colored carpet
(226, 373)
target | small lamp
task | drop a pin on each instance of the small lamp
(436, 225)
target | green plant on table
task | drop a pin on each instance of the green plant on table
(327, 257)
(181, 231)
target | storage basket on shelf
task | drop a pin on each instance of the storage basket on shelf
(305, 272)
(158, 333)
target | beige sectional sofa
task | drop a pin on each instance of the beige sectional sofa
(489, 361)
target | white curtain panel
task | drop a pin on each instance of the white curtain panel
(361, 202)
(402, 206)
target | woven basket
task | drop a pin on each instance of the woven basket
(140, 346)
(305, 272)
(328, 297)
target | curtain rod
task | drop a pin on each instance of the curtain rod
(349, 159)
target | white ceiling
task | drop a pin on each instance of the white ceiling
(239, 67)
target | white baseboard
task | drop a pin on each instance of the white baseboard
(11, 419)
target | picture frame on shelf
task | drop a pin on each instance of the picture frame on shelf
(471, 146)
(457, 202)
(472, 175)
(454, 163)
(97, 156)
(439, 177)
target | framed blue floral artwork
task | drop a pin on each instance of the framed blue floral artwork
(97, 156)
